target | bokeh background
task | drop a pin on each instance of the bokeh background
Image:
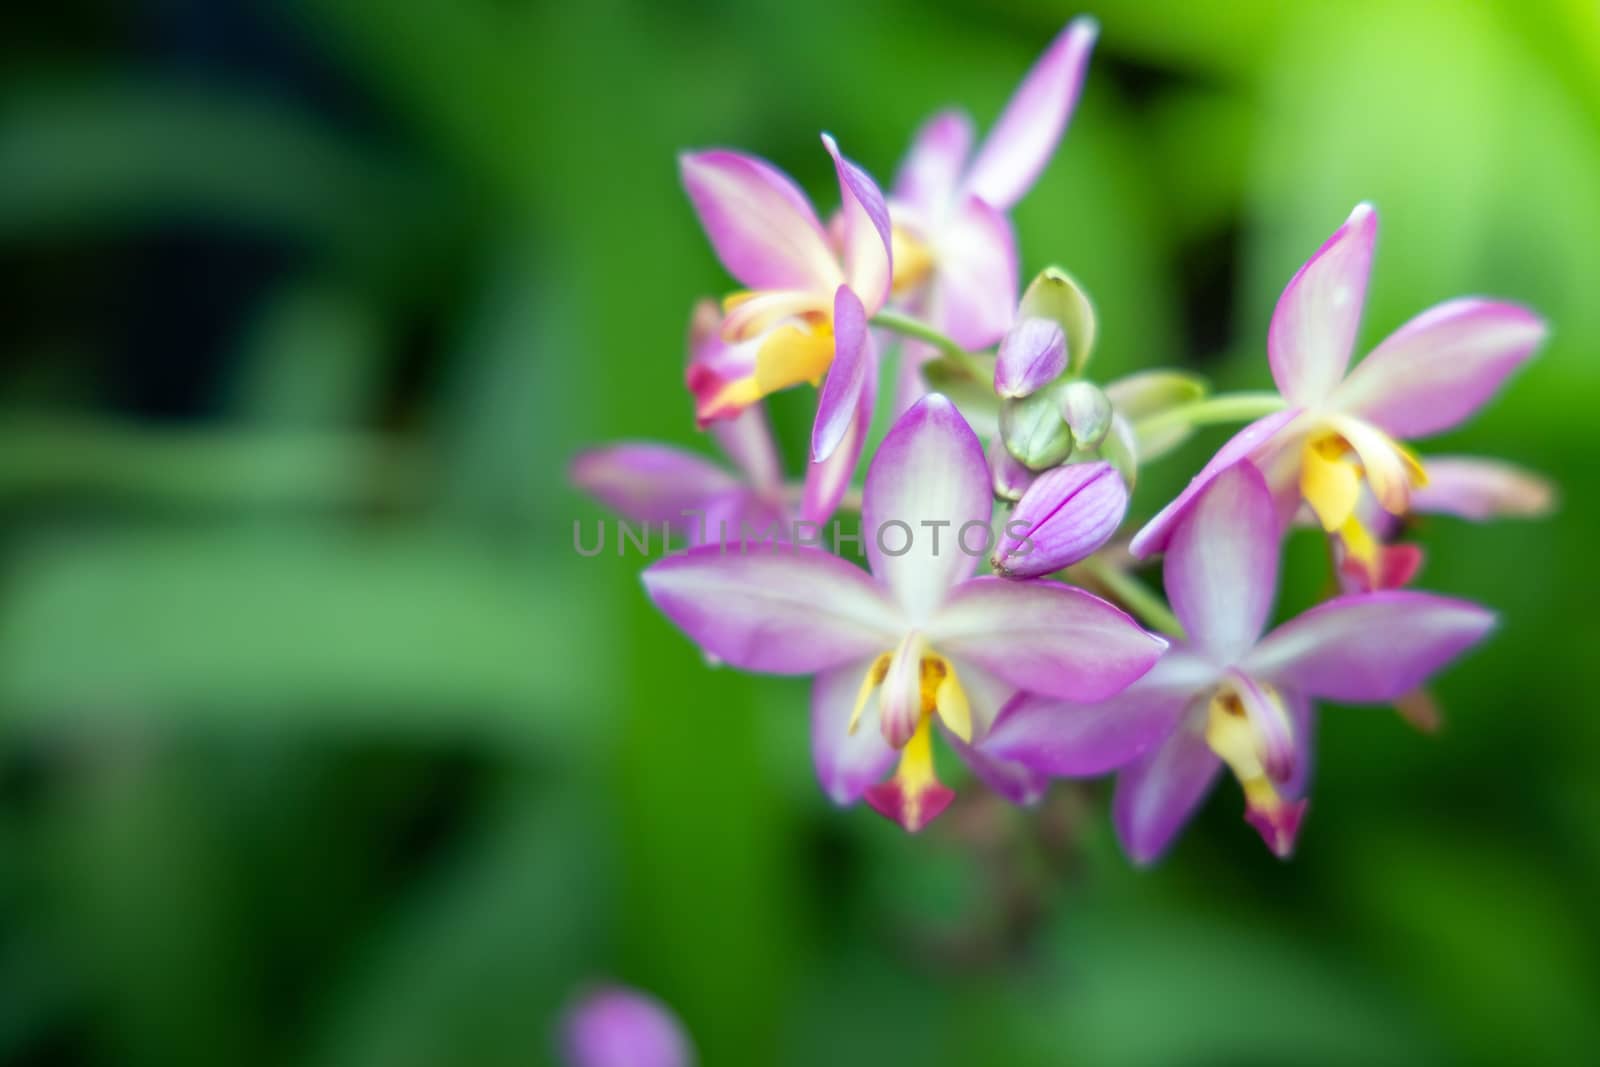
(321, 746)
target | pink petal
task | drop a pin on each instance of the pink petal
(865, 228)
(650, 483)
(1159, 793)
(1369, 647)
(1252, 442)
(1440, 367)
(1303, 725)
(760, 224)
(847, 764)
(853, 361)
(1221, 568)
(1009, 779)
(747, 439)
(614, 1026)
(976, 284)
(828, 481)
(928, 176)
(775, 610)
(926, 484)
(1072, 740)
(1032, 354)
(1044, 637)
(1065, 516)
(1314, 327)
(1480, 489)
(1027, 132)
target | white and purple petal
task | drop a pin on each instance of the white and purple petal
(1368, 647)
(927, 483)
(1221, 570)
(1440, 367)
(1032, 354)
(759, 222)
(1471, 487)
(976, 288)
(864, 229)
(847, 763)
(1256, 442)
(649, 482)
(928, 177)
(1026, 134)
(1044, 637)
(1314, 327)
(854, 361)
(779, 610)
(1158, 793)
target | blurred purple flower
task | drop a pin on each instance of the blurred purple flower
(614, 1026)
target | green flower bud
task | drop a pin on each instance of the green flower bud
(1087, 411)
(1034, 431)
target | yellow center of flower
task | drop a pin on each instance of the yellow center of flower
(1332, 468)
(913, 260)
(797, 350)
(1232, 736)
(914, 684)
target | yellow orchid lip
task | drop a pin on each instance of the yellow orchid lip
(1333, 463)
(1238, 740)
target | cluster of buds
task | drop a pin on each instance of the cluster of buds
(1005, 456)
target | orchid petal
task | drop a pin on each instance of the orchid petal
(1221, 569)
(1030, 127)
(828, 481)
(779, 611)
(1158, 793)
(1314, 327)
(1256, 440)
(927, 482)
(1440, 367)
(1368, 647)
(1066, 739)
(976, 295)
(1044, 637)
(853, 361)
(1480, 489)
(747, 439)
(1032, 354)
(1016, 783)
(1065, 516)
(1303, 727)
(847, 762)
(650, 483)
(760, 224)
(865, 229)
(753, 313)
(927, 179)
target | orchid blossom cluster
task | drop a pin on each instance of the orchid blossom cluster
(1023, 671)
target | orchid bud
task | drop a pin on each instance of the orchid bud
(1034, 431)
(1032, 354)
(1147, 393)
(1010, 478)
(1087, 413)
(1054, 295)
(1121, 450)
(1065, 516)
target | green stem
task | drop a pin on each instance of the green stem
(1134, 595)
(906, 326)
(1224, 407)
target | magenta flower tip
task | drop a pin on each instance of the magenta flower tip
(912, 811)
(614, 1026)
(1278, 825)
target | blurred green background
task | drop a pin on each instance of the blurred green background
(321, 746)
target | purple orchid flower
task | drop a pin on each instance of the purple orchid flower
(703, 502)
(1225, 695)
(807, 301)
(917, 643)
(954, 247)
(1340, 429)
(614, 1026)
